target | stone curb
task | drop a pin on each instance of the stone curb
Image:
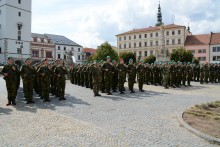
(207, 137)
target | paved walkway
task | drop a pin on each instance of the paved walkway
(140, 119)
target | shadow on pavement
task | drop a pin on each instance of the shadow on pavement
(5, 111)
(39, 104)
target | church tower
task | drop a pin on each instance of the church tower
(159, 16)
(15, 29)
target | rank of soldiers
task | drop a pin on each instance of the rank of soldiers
(105, 76)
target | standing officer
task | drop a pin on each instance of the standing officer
(10, 77)
(189, 72)
(27, 73)
(107, 69)
(44, 73)
(96, 78)
(121, 68)
(140, 74)
(166, 75)
(131, 70)
(60, 71)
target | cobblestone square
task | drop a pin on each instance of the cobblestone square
(139, 119)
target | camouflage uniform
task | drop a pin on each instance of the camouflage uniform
(140, 72)
(10, 80)
(114, 78)
(96, 79)
(202, 74)
(60, 72)
(131, 70)
(121, 68)
(44, 73)
(107, 69)
(28, 73)
(166, 76)
(189, 74)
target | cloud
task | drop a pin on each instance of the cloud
(90, 23)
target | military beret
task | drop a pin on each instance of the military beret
(113, 61)
(10, 58)
(107, 57)
(27, 59)
(188, 63)
(140, 60)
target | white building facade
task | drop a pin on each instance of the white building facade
(63, 45)
(215, 48)
(15, 29)
(147, 41)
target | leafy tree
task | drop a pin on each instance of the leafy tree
(182, 55)
(105, 50)
(127, 56)
(150, 59)
(90, 58)
(196, 61)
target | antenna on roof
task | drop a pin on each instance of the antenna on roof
(173, 19)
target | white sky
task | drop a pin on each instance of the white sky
(92, 22)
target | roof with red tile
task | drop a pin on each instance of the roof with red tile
(202, 39)
(215, 38)
(89, 50)
(150, 29)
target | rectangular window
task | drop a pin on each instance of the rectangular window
(151, 43)
(140, 36)
(64, 56)
(193, 51)
(58, 47)
(202, 58)
(156, 34)
(218, 49)
(129, 37)
(214, 49)
(0, 50)
(145, 35)
(134, 44)
(218, 58)
(119, 38)
(64, 48)
(173, 32)
(151, 34)
(124, 37)
(119, 46)
(78, 57)
(145, 44)
(78, 49)
(179, 41)
(214, 58)
(167, 42)
(49, 55)
(124, 45)
(173, 41)
(83, 57)
(134, 36)
(19, 51)
(151, 52)
(129, 45)
(156, 43)
(145, 53)
(35, 53)
(140, 53)
(140, 44)
(58, 56)
(19, 1)
(179, 32)
(19, 13)
(167, 33)
(202, 51)
(19, 37)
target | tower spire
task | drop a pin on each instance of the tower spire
(159, 16)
